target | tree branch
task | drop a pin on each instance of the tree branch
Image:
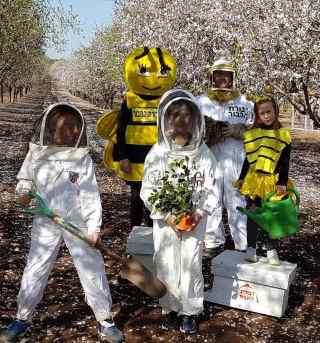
(293, 103)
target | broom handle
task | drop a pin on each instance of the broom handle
(42, 210)
(84, 237)
(104, 249)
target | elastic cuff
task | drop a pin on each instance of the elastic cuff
(156, 215)
(23, 191)
(24, 186)
(107, 323)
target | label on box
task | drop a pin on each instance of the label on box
(247, 293)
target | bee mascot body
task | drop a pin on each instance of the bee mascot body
(131, 131)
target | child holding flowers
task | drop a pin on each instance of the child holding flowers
(178, 181)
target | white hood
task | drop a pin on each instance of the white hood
(41, 136)
(165, 134)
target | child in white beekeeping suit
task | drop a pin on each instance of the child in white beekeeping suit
(60, 169)
(178, 255)
(228, 115)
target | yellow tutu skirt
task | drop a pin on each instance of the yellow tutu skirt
(259, 184)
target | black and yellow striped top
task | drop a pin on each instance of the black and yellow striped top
(263, 148)
(137, 131)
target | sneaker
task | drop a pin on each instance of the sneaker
(251, 255)
(16, 329)
(171, 322)
(263, 260)
(189, 325)
(212, 252)
(109, 332)
(273, 258)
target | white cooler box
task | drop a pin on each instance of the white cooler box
(257, 287)
(140, 245)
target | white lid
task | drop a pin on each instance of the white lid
(232, 264)
(140, 241)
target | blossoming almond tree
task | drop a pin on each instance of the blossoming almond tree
(282, 49)
(274, 42)
(94, 71)
(26, 28)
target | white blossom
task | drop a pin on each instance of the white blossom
(271, 42)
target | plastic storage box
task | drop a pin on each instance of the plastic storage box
(257, 287)
(140, 245)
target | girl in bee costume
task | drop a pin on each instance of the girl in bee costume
(265, 169)
(148, 73)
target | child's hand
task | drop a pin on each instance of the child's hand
(227, 131)
(94, 238)
(125, 166)
(233, 130)
(237, 184)
(281, 189)
(196, 218)
(171, 221)
(23, 199)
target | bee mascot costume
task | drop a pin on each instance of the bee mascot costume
(131, 132)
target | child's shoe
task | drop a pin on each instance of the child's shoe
(109, 332)
(172, 322)
(16, 329)
(251, 255)
(273, 257)
(189, 325)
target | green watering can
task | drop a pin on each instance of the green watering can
(279, 218)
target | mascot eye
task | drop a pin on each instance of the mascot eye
(143, 70)
(163, 72)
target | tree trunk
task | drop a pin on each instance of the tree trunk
(10, 94)
(14, 94)
(1, 92)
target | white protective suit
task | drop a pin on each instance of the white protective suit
(64, 177)
(178, 255)
(230, 156)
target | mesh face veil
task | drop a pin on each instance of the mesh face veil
(43, 134)
(179, 115)
(223, 64)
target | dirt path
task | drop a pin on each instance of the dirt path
(63, 315)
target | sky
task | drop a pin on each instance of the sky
(92, 13)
